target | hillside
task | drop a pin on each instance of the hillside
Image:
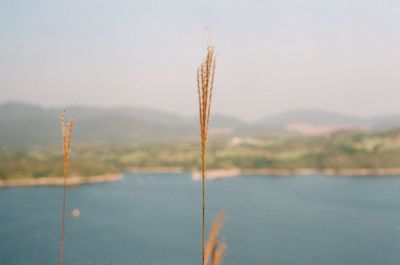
(26, 125)
(317, 122)
(342, 153)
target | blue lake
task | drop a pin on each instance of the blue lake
(155, 219)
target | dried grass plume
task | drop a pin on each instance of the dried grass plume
(215, 248)
(66, 130)
(205, 82)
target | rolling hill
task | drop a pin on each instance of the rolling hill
(28, 125)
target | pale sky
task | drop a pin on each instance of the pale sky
(273, 55)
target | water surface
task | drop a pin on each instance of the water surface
(154, 219)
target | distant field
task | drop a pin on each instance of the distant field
(342, 150)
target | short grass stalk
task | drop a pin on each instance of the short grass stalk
(66, 129)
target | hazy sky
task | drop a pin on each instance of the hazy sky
(273, 55)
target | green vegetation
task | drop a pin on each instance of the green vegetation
(344, 150)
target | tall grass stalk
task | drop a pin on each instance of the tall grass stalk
(215, 248)
(205, 81)
(66, 129)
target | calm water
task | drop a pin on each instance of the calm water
(154, 219)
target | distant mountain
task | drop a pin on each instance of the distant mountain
(315, 117)
(325, 119)
(224, 121)
(385, 122)
(27, 125)
(151, 116)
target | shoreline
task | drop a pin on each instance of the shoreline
(346, 172)
(211, 174)
(217, 174)
(59, 181)
(155, 170)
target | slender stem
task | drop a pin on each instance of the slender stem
(63, 220)
(64, 205)
(202, 202)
